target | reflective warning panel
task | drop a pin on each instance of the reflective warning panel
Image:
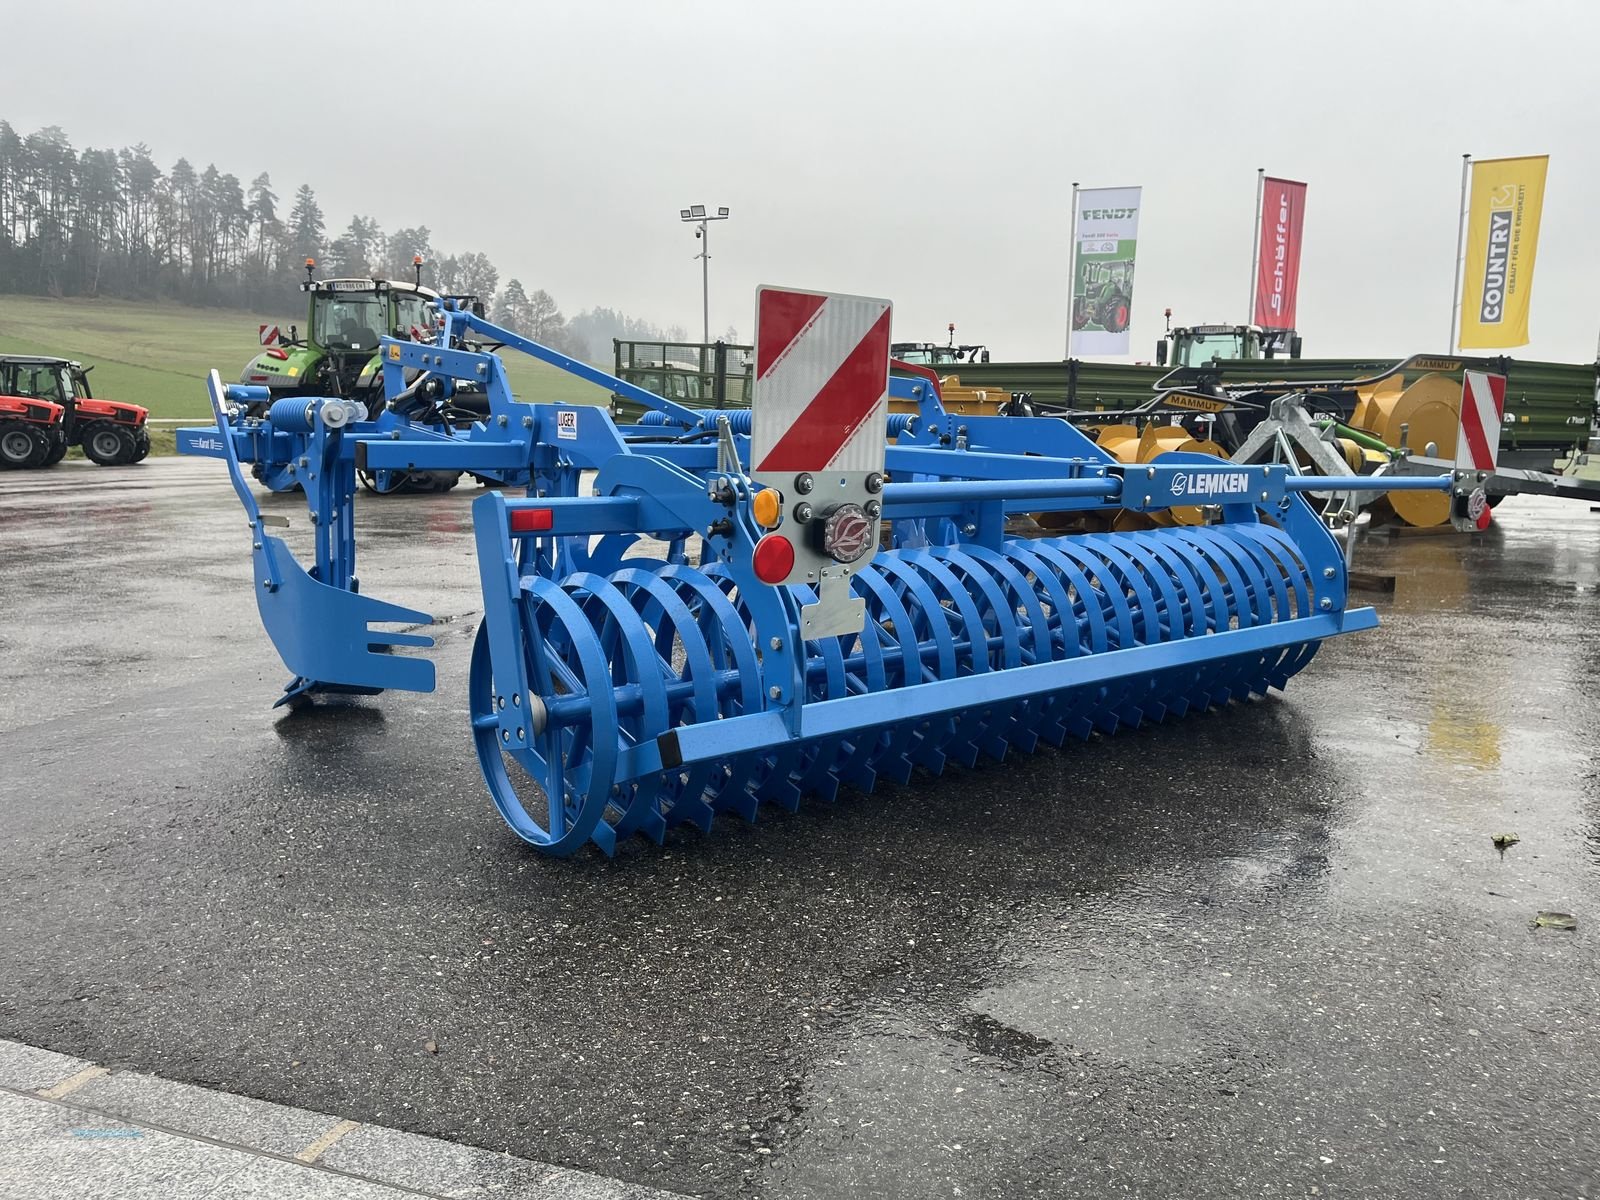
(821, 382)
(1483, 406)
(819, 427)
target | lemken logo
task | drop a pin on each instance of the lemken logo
(1210, 485)
(1498, 257)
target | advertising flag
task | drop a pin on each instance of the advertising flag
(1283, 217)
(1502, 239)
(1102, 269)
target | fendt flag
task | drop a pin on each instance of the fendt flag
(1502, 239)
(1107, 223)
(1283, 217)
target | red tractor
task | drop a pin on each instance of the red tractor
(46, 407)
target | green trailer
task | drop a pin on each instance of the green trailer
(1550, 407)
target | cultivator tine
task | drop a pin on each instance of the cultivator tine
(325, 636)
(323, 632)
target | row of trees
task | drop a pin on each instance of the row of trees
(113, 223)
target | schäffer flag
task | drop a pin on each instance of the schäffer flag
(1502, 239)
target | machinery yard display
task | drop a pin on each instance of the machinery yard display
(710, 610)
(1242, 392)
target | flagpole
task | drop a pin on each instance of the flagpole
(1255, 247)
(1461, 236)
(1072, 267)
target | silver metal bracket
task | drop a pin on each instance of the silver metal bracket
(1288, 427)
(836, 611)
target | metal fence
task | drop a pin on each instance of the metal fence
(717, 375)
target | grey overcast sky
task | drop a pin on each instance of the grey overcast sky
(923, 151)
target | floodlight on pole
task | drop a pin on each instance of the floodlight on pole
(697, 214)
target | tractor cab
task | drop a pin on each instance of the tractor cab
(345, 319)
(931, 354)
(1197, 345)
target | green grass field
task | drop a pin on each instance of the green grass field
(157, 355)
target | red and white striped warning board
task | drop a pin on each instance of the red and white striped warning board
(269, 335)
(821, 382)
(1483, 405)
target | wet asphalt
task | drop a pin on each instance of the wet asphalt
(1269, 950)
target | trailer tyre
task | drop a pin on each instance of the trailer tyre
(21, 446)
(109, 446)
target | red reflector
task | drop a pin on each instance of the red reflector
(774, 558)
(281, 355)
(532, 520)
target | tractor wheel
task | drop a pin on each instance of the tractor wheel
(109, 446)
(1114, 313)
(58, 449)
(415, 483)
(21, 446)
(1080, 313)
(382, 482)
(141, 445)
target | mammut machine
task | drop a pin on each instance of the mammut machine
(710, 610)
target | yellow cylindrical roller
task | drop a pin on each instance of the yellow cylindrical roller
(1386, 388)
(1163, 439)
(1159, 439)
(1120, 441)
(1431, 410)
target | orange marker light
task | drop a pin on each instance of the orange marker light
(767, 508)
(774, 558)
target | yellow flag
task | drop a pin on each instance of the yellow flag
(1502, 239)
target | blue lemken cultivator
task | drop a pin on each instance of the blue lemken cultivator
(690, 630)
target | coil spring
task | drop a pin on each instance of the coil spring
(623, 658)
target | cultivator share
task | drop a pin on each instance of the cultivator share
(706, 611)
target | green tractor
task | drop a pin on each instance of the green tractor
(338, 356)
(931, 354)
(1197, 345)
(1106, 297)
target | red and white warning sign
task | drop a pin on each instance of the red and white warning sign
(821, 382)
(269, 335)
(1483, 406)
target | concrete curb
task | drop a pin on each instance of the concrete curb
(68, 1126)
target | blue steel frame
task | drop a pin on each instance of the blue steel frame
(953, 482)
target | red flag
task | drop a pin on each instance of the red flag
(1283, 216)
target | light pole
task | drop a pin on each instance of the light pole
(696, 214)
